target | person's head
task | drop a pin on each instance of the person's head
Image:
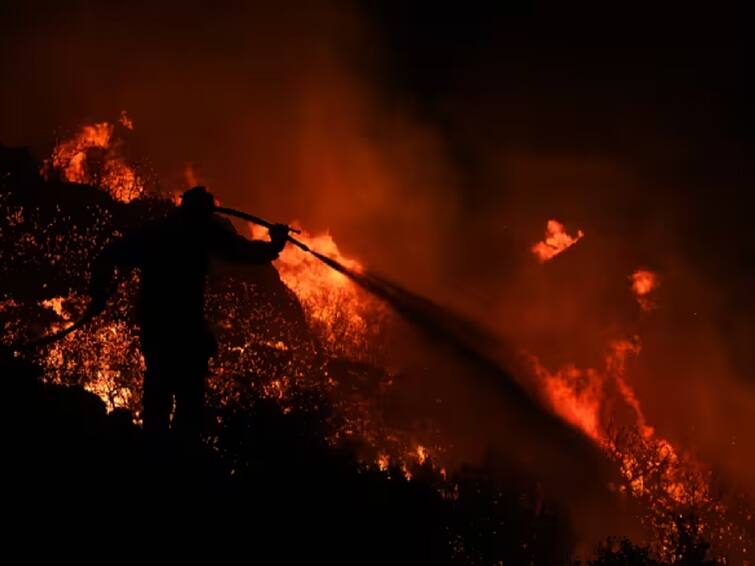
(198, 203)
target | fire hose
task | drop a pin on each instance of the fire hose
(261, 222)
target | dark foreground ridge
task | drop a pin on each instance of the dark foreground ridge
(269, 485)
(269, 488)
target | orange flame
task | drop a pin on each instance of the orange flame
(334, 304)
(644, 282)
(587, 398)
(556, 241)
(580, 396)
(383, 462)
(93, 157)
(421, 454)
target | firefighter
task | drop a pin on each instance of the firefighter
(173, 257)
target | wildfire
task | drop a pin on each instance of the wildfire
(591, 398)
(580, 396)
(575, 395)
(56, 305)
(556, 241)
(94, 157)
(644, 282)
(664, 478)
(421, 454)
(338, 309)
(104, 356)
(383, 462)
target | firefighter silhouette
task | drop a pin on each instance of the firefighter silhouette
(173, 257)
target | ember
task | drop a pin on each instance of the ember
(344, 316)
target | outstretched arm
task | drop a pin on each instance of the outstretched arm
(231, 246)
(125, 252)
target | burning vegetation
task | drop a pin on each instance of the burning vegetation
(94, 156)
(300, 330)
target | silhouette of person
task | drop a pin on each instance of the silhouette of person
(173, 257)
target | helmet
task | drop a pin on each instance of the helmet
(198, 200)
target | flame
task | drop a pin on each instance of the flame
(93, 156)
(125, 121)
(644, 282)
(582, 396)
(383, 462)
(655, 471)
(335, 306)
(556, 241)
(56, 305)
(421, 454)
(575, 395)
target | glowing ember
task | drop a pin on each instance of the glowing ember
(383, 462)
(56, 305)
(125, 121)
(421, 454)
(644, 282)
(93, 157)
(556, 240)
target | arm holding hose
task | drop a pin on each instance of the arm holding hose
(231, 246)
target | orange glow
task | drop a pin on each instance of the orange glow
(56, 305)
(580, 396)
(383, 462)
(644, 282)
(653, 469)
(190, 176)
(93, 157)
(556, 240)
(125, 121)
(336, 306)
(421, 454)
